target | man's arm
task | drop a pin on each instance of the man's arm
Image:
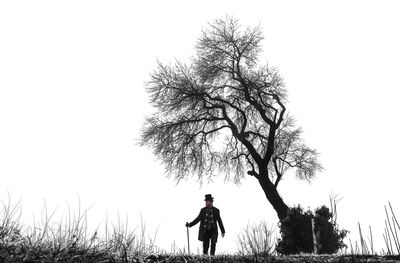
(221, 225)
(194, 222)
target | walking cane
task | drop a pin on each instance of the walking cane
(187, 230)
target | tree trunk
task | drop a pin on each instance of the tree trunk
(273, 196)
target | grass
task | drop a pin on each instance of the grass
(69, 240)
(365, 246)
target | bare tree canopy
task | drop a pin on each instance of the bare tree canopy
(224, 113)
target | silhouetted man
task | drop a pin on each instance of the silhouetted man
(208, 230)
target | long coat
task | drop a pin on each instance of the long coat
(217, 218)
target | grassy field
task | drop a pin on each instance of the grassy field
(71, 241)
(96, 256)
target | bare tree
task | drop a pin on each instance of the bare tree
(225, 114)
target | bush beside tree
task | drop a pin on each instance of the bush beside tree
(297, 236)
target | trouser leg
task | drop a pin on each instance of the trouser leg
(213, 245)
(206, 244)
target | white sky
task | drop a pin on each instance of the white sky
(72, 102)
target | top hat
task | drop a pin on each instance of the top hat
(209, 198)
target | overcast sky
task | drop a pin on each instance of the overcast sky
(72, 103)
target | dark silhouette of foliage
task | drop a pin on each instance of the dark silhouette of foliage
(225, 114)
(297, 236)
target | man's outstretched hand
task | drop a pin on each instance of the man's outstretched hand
(187, 224)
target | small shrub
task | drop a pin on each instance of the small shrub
(297, 236)
(256, 239)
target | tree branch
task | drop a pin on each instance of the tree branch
(277, 172)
